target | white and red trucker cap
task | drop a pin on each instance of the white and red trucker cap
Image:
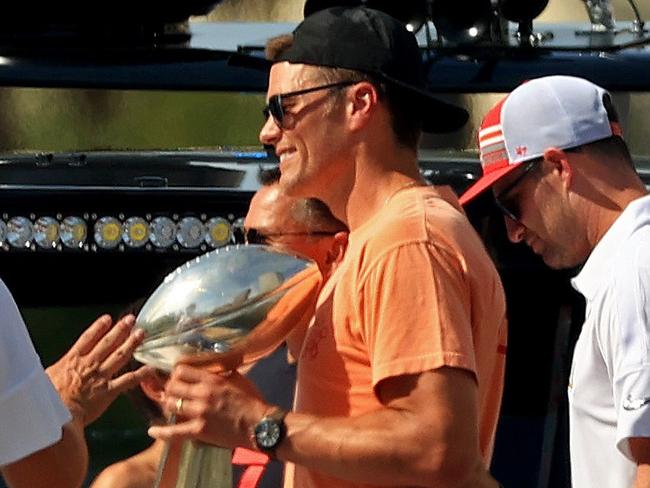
(553, 111)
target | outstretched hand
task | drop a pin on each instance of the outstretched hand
(85, 377)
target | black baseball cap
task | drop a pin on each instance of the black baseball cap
(373, 42)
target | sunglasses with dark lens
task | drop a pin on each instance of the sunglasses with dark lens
(510, 207)
(254, 236)
(275, 107)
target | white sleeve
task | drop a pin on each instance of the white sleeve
(31, 413)
(631, 367)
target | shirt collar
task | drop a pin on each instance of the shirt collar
(636, 214)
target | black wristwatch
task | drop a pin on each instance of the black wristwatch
(270, 431)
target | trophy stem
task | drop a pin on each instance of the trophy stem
(204, 466)
(200, 466)
(164, 456)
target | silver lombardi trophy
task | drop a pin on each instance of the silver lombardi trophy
(221, 311)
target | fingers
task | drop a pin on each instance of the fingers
(184, 430)
(190, 374)
(213, 408)
(188, 382)
(121, 356)
(181, 407)
(131, 379)
(190, 391)
(113, 338)
(92, 335)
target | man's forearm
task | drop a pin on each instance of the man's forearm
(61, 465)
(383, 447)
(425, 434)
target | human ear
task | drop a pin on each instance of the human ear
(560, 164)
(363, 98)
(337, 249)
(153, 387)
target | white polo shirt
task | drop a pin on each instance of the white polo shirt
(609, 387)
(31, 413)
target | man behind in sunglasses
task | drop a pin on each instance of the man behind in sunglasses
(303, 226)
(553, 153)
(401, 372)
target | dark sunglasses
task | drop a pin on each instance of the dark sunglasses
(510, 207)
(275, 107)
(254, 236)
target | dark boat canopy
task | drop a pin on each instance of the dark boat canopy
(164, 50)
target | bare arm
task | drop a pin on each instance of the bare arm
(640, 450)
(63, 464)
(126, 474)
(414, 441)
(105, 479)
(85, 376)
(425, 435)
(84, 379)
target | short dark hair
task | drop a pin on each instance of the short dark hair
(276, 46)
(610, 149)
(406, 125)
(317, 216)
(151, 410)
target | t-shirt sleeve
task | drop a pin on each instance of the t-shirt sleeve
(415, 311)
(631, 354)
(31, 413)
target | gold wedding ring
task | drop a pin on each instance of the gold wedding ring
(179, 405)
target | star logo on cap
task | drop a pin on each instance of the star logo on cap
(521, 150)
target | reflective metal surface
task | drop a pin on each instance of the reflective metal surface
(224, 309)
(219, 311)
(73, 232)
(163, 232)
(191, 232)
(601, 15)
(108, 232)
(46, 232)
(136, 232)
(20, 232)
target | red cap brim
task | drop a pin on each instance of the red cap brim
(485, 182)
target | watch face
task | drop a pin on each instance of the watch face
(267, 433)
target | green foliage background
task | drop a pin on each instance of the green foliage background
(49, 119)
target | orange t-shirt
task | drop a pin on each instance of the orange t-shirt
(416, 291)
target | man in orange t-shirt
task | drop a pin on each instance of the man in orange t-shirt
(415, 265)
(401, 372)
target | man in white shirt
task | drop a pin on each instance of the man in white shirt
(552, 151)
(43, 413)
